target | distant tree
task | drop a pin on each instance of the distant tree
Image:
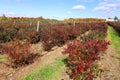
(40, 18)
(116, 18)
(109, 18)
(3, 18)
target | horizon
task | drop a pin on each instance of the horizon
(60, 9)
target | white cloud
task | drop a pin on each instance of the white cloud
(100, 8)
(95, 0)
(78, 7)
(107, 0)
(10, 13)
(106, 7)
(56, 17)
(7, 13)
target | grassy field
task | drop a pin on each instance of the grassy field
(3, 57)
(50, 72)
(115, 39)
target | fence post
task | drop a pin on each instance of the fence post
(30, 23)
(38, 24)
(74, 23)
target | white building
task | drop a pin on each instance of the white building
(110, 19)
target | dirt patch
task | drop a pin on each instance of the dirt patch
(37, 48)
(110, 65)
(65, 76)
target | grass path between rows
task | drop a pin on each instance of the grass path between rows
(3, 57)
(47, 72)
(52, 67)
(115, 39)
(110, 61)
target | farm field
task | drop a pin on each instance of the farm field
(62, 51)
(59, 39)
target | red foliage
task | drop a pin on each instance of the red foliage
(33, 37)
(83, 55)
(18, 53)
(47, 39)
(116, 26)
(57, 34)
(60, 34)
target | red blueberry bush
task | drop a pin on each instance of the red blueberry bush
(82, 57)
(116, 26)
(60, 34)
(18, 53)
(33, 37)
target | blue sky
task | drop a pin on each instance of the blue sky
(60, 9)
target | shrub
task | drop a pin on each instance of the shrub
(100, 27)
(59, 35)
(92, 35)
(47, 39)
(1, 49)
(82, 57)
(116, 26)
(18, 53)
(33, 37)
(7, 35)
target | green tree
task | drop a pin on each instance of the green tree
(3, 18)
(116, 18)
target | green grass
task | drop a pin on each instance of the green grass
(115, 39)
(3, 57)
(50, 72)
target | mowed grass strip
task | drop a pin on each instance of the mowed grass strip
(48, 72)
(115, 39)
(3, 57)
